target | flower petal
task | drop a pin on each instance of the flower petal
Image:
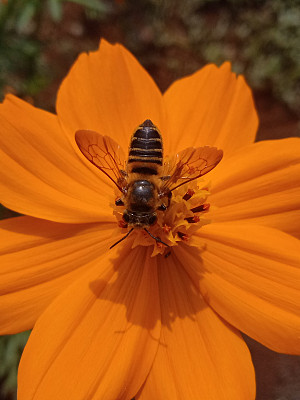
(40, 173)
(250, 276)
(109, 92)
(38, 260)
(210, 107)
(260, 184)
(199, 355)
(99, 338)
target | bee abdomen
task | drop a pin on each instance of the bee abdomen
(146, 145)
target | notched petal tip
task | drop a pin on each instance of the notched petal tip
(108, 91)
(212, 107)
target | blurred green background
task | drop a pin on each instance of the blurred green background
(39, 40)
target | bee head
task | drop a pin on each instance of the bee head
(139, 220)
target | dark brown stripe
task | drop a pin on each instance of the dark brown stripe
(144, 171)
(147, 133)
(146, 143)
(144, 160)
(142, 153)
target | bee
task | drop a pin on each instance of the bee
(145, 182)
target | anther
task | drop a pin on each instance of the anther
(183, 236)
(162, 207)
(203, 207)
(119, 202)
(122, 223)
(192, 220)
(188, 194)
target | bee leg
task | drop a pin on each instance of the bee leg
(167, 194)
(119, 202)
(122, 224)
(124, 237)
(168, 254)
(162, 207)
(156, 238)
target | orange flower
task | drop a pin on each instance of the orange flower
(120, 323)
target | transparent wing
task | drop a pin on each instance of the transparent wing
(104, 153)
(188, 165)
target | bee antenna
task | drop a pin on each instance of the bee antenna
(124, 237)
(156, 238)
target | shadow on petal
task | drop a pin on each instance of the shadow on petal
(171, 271)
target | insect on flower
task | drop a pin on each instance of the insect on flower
(109, 324)
(146, 183)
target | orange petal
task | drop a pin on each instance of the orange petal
(260, 184)
(99, 338)
(40, 173)
(109, 92)
(38, 260)
(250, 276)
(199, 355)
(210, 107)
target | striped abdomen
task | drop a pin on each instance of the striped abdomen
(145, 146)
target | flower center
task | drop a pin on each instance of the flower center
(184, 216)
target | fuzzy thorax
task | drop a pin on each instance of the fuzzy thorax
(184, 216)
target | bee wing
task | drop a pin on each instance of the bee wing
(188, 165)
(104, 153)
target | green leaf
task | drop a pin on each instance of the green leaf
(55, 8)
(96, 5)
(11, 348)
(26, 16)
